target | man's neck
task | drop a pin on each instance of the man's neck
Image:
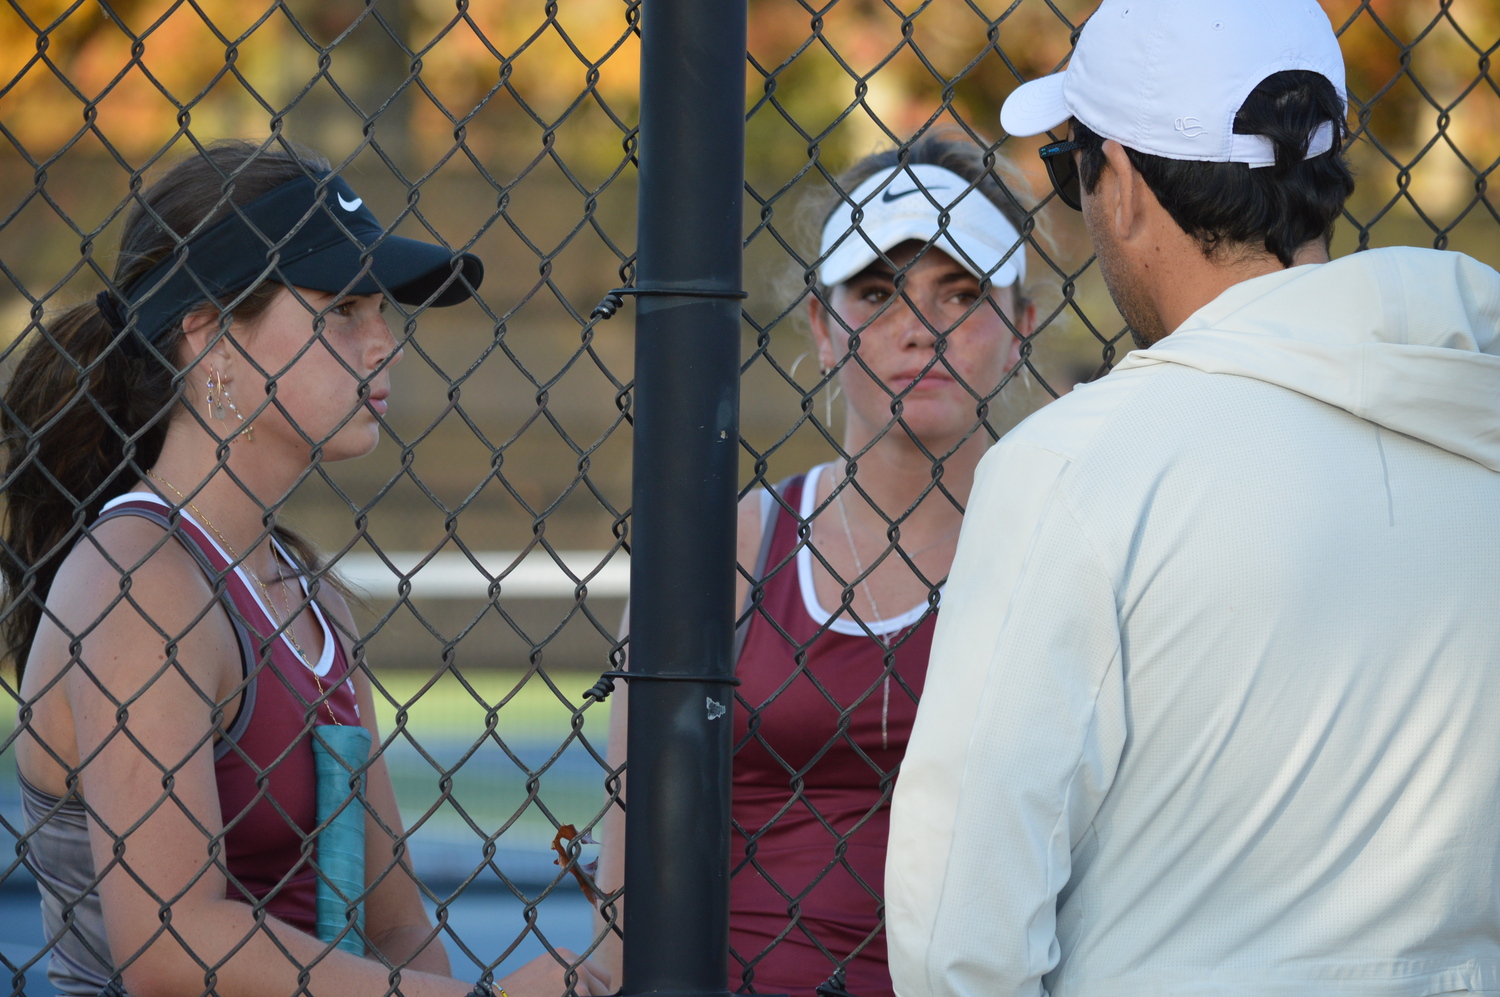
(1195, 279)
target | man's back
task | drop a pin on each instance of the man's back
(1260, 630)
(1310, 654)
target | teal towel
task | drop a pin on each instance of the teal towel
(338, 753)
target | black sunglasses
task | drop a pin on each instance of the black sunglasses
(1062, 168)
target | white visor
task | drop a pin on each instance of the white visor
(902, 204)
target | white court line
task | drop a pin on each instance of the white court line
(451, 575)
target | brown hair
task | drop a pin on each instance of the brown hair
(87, 407)
(1229, 206)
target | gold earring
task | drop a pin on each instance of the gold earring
(215, 396)
(218, 398)
(248, 430)
(827, 398)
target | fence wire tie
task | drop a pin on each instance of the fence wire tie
(615, 299)
(601, 689)
(833, 986)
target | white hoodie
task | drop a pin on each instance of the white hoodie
(1214, 701)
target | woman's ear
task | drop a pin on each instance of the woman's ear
(822, 331)
(204, 343)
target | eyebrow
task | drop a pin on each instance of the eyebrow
(879, 271)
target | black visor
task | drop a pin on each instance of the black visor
(311, 232)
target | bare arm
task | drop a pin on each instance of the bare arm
(611, 874)
(396, 923)
(142, 720)
(143, 727)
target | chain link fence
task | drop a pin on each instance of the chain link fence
(488, 532)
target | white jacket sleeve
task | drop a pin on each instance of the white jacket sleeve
(1017, 737)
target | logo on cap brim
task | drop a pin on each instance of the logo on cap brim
(887, 197)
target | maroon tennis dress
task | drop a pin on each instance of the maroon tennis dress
(813, 772)
(264, 762)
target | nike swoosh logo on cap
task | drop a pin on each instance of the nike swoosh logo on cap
(887, 197)
(350, 205)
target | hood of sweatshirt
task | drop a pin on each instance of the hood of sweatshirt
(1408, 339)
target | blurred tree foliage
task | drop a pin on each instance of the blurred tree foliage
(503, 76)
(535, 100)
(506, 125)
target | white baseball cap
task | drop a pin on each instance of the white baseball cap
(904, 203)
(1167, 77)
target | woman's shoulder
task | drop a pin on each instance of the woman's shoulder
(759, 506)
(751, 521)
(125, 595)
(134, 556)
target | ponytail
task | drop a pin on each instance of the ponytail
(87, 407)
(81, 421)
(1277, 209)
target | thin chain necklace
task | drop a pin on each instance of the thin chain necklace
(285, 628)
(864, 583)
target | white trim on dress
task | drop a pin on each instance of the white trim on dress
(843, 624)
(325, 660)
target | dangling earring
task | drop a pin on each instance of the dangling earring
(827, 398)
(218, 397)
(248, 430)
(215, 396)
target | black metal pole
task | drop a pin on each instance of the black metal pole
(692, 151)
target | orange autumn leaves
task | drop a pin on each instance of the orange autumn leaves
(501, 73)
(582, 871)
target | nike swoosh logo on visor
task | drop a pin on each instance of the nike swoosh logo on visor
(350, 205)
(887, 197)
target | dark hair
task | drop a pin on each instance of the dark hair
(1229, 204)
(952, 150)
(87, 407)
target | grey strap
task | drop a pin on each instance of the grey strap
(767, 533)
(246, 642)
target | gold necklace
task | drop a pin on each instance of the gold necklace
(859, 566)
(286, 627)
(885, 685)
